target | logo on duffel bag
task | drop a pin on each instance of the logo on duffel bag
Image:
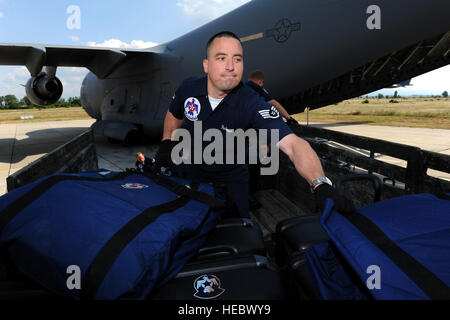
(134, 186)
(207, 287)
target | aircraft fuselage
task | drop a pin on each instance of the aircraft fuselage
(298, 45)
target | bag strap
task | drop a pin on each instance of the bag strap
(100, 266)
(8, 213)
(426, 280)
(186, 191)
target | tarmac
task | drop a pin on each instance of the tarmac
(23, 143)
(436, 140)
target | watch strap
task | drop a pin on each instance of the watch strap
(319, 181)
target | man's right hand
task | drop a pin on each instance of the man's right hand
(163, 156)
(342, 202)
(291, 121)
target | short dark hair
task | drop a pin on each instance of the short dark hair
(257, 75)
(222, 34)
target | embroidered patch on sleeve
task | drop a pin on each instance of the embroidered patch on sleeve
(271, 113)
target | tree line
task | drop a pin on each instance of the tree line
(396, 95)
(10, 101)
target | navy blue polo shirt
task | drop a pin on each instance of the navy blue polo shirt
(259, 90)
(242, 109)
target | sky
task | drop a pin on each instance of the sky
(125, 24)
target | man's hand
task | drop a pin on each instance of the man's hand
(163, 156)
(291, 121)
(342, 203)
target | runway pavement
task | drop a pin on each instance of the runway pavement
(23, 143)
(436, 140)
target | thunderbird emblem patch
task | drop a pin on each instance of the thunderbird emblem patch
(207, 286)
(134, 186)
(192, 108)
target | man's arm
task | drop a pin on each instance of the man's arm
(280, 108)
(308, 165)
(163, 155)
(171, 123)
(303, 157)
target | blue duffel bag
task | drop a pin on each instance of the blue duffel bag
(398, 249)
(124, 232)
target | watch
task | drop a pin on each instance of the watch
(319, 181)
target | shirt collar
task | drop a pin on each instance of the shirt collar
(250, 83)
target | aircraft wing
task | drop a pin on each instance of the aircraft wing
(101, 61)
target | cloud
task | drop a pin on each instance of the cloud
(115, 43)
(1, 14)
(20, 74)
(11, 79)
(206, 10)
(72, 77)
(71, 70)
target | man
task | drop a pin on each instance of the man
(256, 82)
(221, 101)
(140, 162)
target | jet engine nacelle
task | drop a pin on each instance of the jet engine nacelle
(44, 90)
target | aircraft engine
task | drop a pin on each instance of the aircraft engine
(44, 90)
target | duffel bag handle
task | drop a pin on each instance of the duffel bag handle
(219, 250)
(376, 182)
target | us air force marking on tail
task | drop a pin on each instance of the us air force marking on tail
(281, 32)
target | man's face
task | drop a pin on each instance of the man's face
(140, 157)
(224, 66)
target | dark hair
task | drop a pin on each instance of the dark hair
(257, 75)
(222, 34)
